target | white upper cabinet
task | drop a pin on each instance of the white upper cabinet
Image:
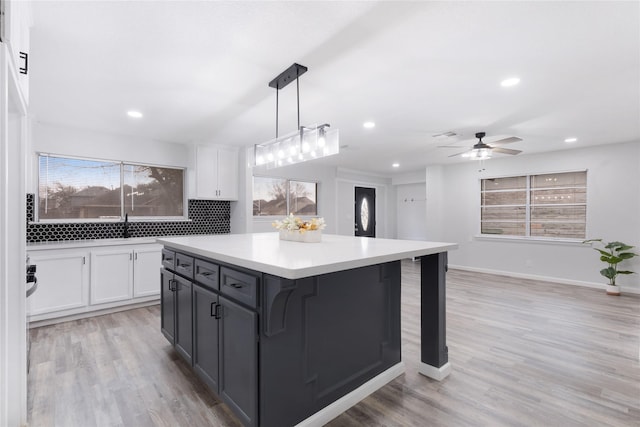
(216, 173)
(17, 20)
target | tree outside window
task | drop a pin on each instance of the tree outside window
(72, 188)
(279, 197)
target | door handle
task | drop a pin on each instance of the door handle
(25, 69)
(218, 312)
(214, 309)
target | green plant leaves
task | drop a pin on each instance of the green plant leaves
(608, 272)
(613, 257)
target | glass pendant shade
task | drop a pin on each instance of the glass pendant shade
(306, 144)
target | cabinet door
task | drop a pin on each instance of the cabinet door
(205, 336)
(146, 270)
(227, 175)
(239, 360)
(167, 305)
(18, 18)
(206, 172)
(111, 275)
(184, 317)
(63, 280)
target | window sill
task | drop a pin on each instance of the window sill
(108, 221)
(538, 240)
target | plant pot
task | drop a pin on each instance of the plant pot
(311, 236)
(613, 290)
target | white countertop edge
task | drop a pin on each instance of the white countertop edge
(302, 272)
(74, 244)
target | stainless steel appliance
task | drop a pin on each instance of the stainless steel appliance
(32, 286)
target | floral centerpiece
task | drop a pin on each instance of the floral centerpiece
(295, 229)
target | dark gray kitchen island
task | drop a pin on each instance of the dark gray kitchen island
(290, 333)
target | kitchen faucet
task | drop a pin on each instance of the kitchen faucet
(125, 232)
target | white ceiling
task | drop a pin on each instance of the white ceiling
(198, 71)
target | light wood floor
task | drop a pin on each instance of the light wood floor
(524, 353)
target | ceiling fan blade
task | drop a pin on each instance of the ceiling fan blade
(505, 150)
(506, 140)
(449, 146)
(454, 155)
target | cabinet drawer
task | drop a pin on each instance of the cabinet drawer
(184, 265)
(168, 259)
(206, 273)
(242, 287)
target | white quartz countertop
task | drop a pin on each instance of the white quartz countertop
(294, 260)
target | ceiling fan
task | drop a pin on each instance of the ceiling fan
(483, 151)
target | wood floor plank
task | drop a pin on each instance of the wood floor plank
(523, 353)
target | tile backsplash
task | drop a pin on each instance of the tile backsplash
(205, 217)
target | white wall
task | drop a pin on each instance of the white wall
(437, 193)
(613, 195)
(82, 143)
(411, 209)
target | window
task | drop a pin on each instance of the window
(74, 188)
(549, 205)
(278, 196)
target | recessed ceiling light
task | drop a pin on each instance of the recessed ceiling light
(369, 125)
(134, 114)
(572, 139)
(396, 165)
(510, 82)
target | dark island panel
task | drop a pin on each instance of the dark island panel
(331, 334)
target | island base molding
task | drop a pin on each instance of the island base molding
(432, 372)
(351, 399)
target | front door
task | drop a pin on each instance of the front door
(365, 214)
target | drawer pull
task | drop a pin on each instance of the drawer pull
(214, 309)
(185, 265)
(237, 285)
(206, 273)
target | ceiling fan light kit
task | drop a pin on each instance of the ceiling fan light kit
(305, 143)
(482, 151)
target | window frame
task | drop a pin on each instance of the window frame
(288, 182)
(121, 164)
(528, 207)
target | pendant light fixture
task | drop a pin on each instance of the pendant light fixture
(306, 143)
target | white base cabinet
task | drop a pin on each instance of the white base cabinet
(111, 275)
(63, 279)
(146, 271)
(72, 282)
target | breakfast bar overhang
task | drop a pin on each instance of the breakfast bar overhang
(327, 318)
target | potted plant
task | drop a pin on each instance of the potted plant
(612, 254)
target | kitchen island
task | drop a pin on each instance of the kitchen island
(290, 333)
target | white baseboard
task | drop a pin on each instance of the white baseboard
(85, 314)
(437, 374)
(328, 413)
(624, 289)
